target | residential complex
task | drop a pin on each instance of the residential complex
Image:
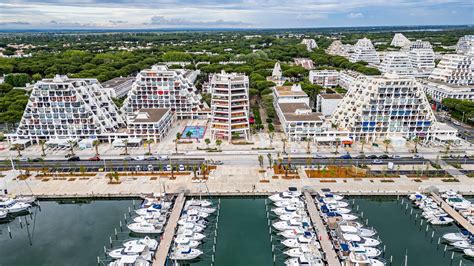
(324, 78)
(160, 87)
(397, 63)
(365, 51)
(327, 103)
(68, 109)
(310, 44)
(150, 124)
(399, 40)
(376, 108)
(422, 57)
(230, 106)
(439, 90)
(277, 75)
(347, 77)
(465, 45)
(304, 62)
(337, 48)
(455, 69)
(118, 87)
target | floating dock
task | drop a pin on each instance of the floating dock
(326, 245)
(167, 237)
(453, 213)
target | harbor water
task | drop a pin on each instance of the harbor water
(405, 235)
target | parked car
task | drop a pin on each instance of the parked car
(346, 156)
(37, 159)
(163, 157)
(168, 167)
(377, 161)
(95, 158)
(152, 158)
(395, 156)
(317, 156)
(150, 167)
(362, 156)
(74, 159)
(384, 157)
(417, 156)
(372, 157)
(139, 158)
(181, 167)
(128, 158)
(23, 159)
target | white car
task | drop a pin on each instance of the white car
(377, 161)
(162, 157)
(168, 167)
(139, 158)
(396, 156)
(181, 167)
(150, 167)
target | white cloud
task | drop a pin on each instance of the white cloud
(355, 15)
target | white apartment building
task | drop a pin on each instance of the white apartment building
(465, 45)
(118, 87)
(399, 40)
(337, 48)
(347, 77)
(290, 94)
(327, 103)
(324, 78)
(376, 108)
(304, 62)
(277, 75)
(68, 109)
(422, 57)
(455, 69)
(150, 124)
(397, 63)
(160, 87)
(438, 90)
(310, 44)
(365, 51)
(230, 106)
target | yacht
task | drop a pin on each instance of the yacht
(154, 209)
(345, 217)
(300, 251)
(140, 250)
(207, 210)
(12, 206)
(200, 203)
(185, 253)
(331, 196)
(190, 234)
(463, 244)
(130, 260)
(449, 194)
(360, 240)
(286, 195)
(293, 233)
(156, 220)
(357, 231)
(331, 208)
(194, 212)
(292, 201)
(370, 252)
(294, 215)
(333, 203)
(193, 219)
(469, 252)
(152, 244)
(186, 242)
(302, 240)
(25, 199)
(305, 260)
(454, 237)
(359, 259)
(440, 220)
(417, 196)
(150, 202)
(291, 224)
(193, 227)
(3, 214)
(145, 228)
(286, 210)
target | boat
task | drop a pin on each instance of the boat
(152, 244)
(454, 237)
(185, 253)
(187, 213)
(305, 260)
(440, 220)
(186, 242)
(357, 231)
(149, 202)
(291, 224)
(331, 195)
(449, 194)
(292, 201)
(301, 240)
(469, 252)
(286, 195)
(12, 206)
(417, 196)
(145, 228)
(362, 259)
(370, 252)
(26, 199)
(360, 240)
(300, 251)
(463, 244)
(158, 220)
(140, 250)
(286, 210)
(3, 214)
(200, 203)
(345, 217)
(207, 210)
(156, 208)
(190, 234)
(330, 208)
(294, 215)
(193, 227)
(130, 260)
(293, 233)
(334, 203)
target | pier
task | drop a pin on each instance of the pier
(165, 244)
(453, 213)
(326, 245)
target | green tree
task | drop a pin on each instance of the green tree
(260, 160)
(386, 142)
(178, 137)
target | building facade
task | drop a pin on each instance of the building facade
(422, 57)
(399, 40)
(118, 87)
(438, 91)
(465, 45)
(327, 103)
(324, 78)
(455, 69)
(160, 87)
(397, 63)
(230, 106)
(365, 51)
(150, 124)
(68, 109)
(310, 44)
(337, 48)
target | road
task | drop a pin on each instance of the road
(354, 161)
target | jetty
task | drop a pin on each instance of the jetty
(167, 238)
(453, 213)
(326, 245)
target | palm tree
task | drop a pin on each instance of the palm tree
(308, 146)
(203, 170)
(260, 160)
(18, 149)
(284, 140)
(71, 146)
(448, 146)
(416, 140)
(338, 142)
(270, 160)
(309, 161)
(208, 141)
(218, 143)
(96, 143)
(149, 142)
(178, 137)
(387, 143)
(126, 146)
(272, 135)
(362, 143)
(42, 142)
(189, 134)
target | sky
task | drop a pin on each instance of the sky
(162, 14)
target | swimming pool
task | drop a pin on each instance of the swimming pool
(196, 131)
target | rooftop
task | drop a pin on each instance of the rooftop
(116, 82)
(149, 115)
(299, 112)
(290, 91)
(331, 96)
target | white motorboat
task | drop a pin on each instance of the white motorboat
(305, 260)
(293, 233)
(286, 195)
(200, 203)
(145, 228)
(294, 215)
(291, 224)
(357, 231)
(130, 260)
(417, 196)
(186, 242)
(469, 252)
(187, 213)
(150, 210)
(12, 206)
(292, 201)
(140, 250)
(152, 244)
(370, 252)
(331, 196)
(440, 220)
(360, 240)
(150, 202)
(463, 244)
(207, 210)
(3, 214)
(193, 227)
(299, 241)
(335, 204)
(156, 220)
(449, 194)
(362, 259)
(351, 223)
(300, 251)
(185, 253)
(454, 237)
(286, 210)
(190, 234)
(26, 199)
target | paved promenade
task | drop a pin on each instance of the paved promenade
(321, 231)
(166, 241)
(453, 213)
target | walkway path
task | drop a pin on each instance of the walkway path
(328, 248)
(168, 235)
(453, 213)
